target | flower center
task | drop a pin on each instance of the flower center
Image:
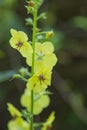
(19, 44)
(41, 77)
(40, 55)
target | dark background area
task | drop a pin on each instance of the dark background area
(68, 19)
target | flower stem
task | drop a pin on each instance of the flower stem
(34, 35)
(33, 60)
(32, 104)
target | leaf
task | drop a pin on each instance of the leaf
(5, 75)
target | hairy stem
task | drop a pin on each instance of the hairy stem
(33, 60)
(34, 35)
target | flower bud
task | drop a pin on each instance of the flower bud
(30, 9)
(29, 21)
(23, 71)
(16, 76)
(31, 3)
(49, 34)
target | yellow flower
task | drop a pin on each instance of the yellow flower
(42, 102)
(40, 80)
(18, 124)
(19, 41)
(13, 110)
(48, 124)
(44, 56)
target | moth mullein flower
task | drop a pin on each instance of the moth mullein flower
(41, 102)
(44, 56)
(18, 124)
(13, 111)
(48, 124)
(49, 34)
(40, 80)
(19, 41)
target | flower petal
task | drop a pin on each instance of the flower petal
(50, 60)
(18, 124)
(13, 110)
(13, 32)
(48, 47)
(22, 35)
(26, 49)
(13, 42)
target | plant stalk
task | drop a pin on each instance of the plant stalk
(33, 60)
(34, 36)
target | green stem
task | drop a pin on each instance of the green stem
(33, 60)
(34, 36)
(24, 79)
(32, 105)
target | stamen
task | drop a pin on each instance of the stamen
(19, 45)
(40, 56)
(41, 77)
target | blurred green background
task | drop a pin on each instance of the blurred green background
(68, 19)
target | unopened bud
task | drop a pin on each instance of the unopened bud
(31, 3)
(23, 71)
(29, 21)
(49, 34)
(16, 76)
